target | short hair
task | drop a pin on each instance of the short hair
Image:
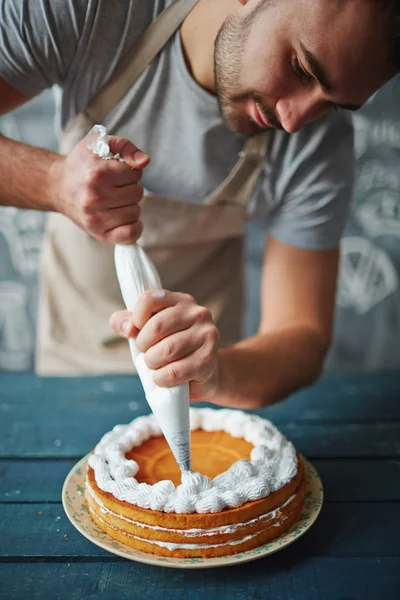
(393, 8)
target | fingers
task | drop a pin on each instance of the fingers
(197, 366)
(123, 196)
(172, 348)
(132, 155)
(124, 234)
(118, 198)
(149, 303)
(114, 174)
(154, 301)
(124, 215)
(163, 324)
(121, 323)
(116, 225)
(179, 340)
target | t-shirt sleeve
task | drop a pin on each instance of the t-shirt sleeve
(39, 41)
(310, 184)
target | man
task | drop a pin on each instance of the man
(268, 65)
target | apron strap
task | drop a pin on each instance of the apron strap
(239, 186)
(142, 53)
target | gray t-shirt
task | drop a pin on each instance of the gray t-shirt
(306, 187)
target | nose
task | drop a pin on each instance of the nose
(295, 111)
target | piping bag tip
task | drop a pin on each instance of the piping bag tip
(180, 447)
(185, 466)
(171, 409)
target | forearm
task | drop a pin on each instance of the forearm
(266, 368)
(28, 176)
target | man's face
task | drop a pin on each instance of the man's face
(296, 59)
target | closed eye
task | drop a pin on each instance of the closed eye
(300, 72)
(352, 107)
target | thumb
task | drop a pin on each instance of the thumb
(131, 154)
(121, 323)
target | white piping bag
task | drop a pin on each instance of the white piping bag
(136, 274)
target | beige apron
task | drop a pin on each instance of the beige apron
(196, 248)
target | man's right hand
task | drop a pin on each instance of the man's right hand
(101, 196)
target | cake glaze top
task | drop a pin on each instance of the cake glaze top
(273, 463)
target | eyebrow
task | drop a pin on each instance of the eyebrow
(318, 71)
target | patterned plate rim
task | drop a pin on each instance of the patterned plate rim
(74, 496)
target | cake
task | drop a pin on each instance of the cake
(246, 487)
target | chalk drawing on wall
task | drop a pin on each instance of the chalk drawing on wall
(372, 133)
(367, 275)
(22, 230)
(380, 214)
(16, 339)
(375, 175)
(360, 135)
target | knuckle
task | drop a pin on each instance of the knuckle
(90, 178)
(136, 230)
(207, 354)
(213, 335)
(97, 176)
(89, 202)
(157, 328)
(203, 314)
(174, 373)
(112, 237)
(129, 233)
(91, 222)
(168, 349)
(189, 298)
(138, 192)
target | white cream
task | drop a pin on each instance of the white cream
(224, 529)
(272, 464)
(180, 546)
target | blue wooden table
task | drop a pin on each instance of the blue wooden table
(348, 426)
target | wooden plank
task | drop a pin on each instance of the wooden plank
(359, 480)
(33, 480)
(70, 436)
(41, 417)
(343, 440)
(343, 479)
(66, 417)
(272, 577)
(343, 529)
(356, 397)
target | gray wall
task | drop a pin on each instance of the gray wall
(367, 333)
(20, 239)
(367, 330)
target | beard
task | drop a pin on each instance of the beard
(230, 44)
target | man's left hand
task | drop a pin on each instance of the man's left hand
(178, 338)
